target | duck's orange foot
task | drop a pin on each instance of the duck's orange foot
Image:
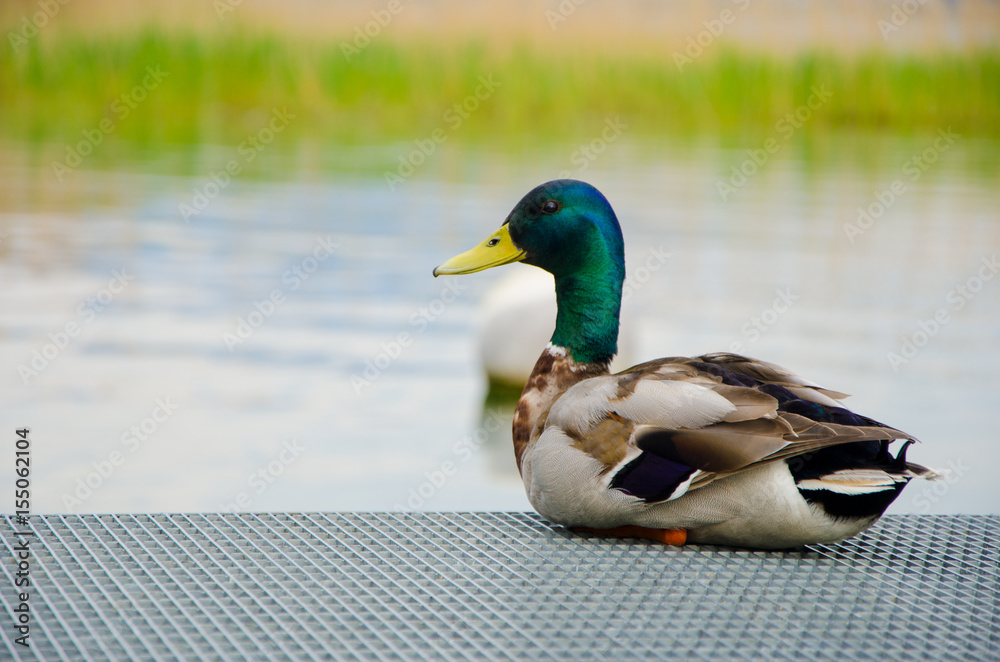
(666, 536)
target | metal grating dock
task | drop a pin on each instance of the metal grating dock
(492, 586)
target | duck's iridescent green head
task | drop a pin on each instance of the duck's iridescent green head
(563, 226)
(567, 228)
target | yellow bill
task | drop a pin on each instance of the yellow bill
(498, 249)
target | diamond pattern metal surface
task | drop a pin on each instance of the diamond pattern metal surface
(494, 586)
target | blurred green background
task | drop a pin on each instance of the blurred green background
(560, 65)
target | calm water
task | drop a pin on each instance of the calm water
(288, 349)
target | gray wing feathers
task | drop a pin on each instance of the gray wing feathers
(690, 414)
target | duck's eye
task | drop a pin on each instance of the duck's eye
(550, 207)
(493, 242)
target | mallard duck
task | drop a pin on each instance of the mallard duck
(716, 449)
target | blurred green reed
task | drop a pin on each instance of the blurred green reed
(220, 86)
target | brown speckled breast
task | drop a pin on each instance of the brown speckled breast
(554, 372)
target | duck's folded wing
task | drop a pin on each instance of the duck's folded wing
(670, 426)
(722, 449)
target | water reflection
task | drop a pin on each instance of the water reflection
(356, 384)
